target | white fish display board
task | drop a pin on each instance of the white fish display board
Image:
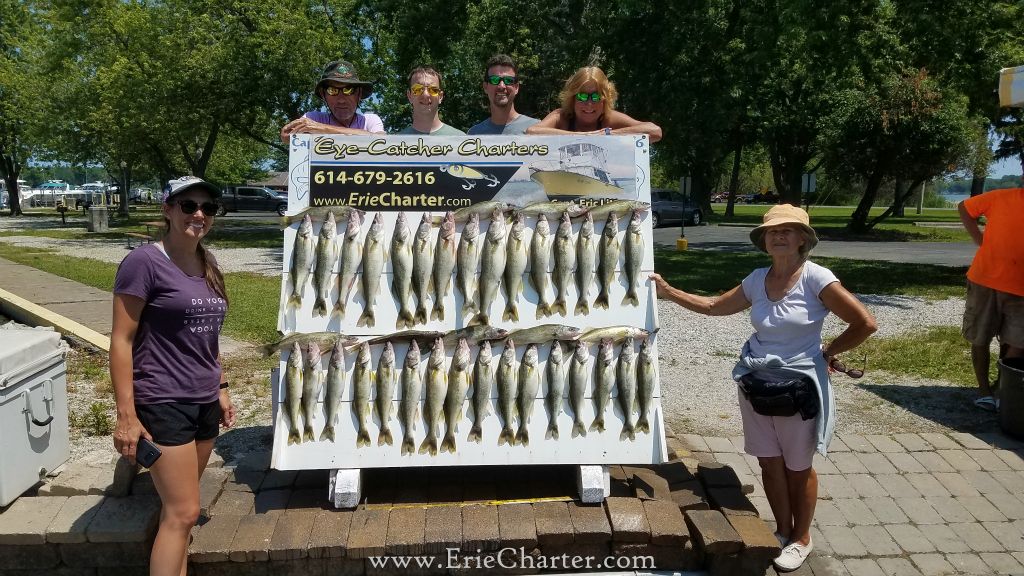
(422, 178)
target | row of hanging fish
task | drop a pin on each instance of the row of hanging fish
(444, 389)
(482, 262)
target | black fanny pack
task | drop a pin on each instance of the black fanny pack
(786, 398)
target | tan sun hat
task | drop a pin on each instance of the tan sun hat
(784, 214)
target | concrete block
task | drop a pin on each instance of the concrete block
(309, 499)
(1008, 534)
(977, 537)
(291, 535)
(694, 442)
(877, 462)
(910, 538)
(835, 486)
(142, 485)
(1002, 563)
(944, 538)
(855, 511)
(877, 541)
(970, 441)
(906, 462)
(517, 526)
(312, 478)
(886, 510)
(1013, 459)
(717, 444)
(593, 483)
(242, 480)
(210, 485)
(927, 485)
(731, 501)
(912, 442)
(271, 501)
(968, 563)
(215, 461)
(857, 443)
(368, 533)
(130, 519)
(668, 527)
(554, 527)
(106, 554)
(884, 443)
(960, 460)
(1009, 504)
(690, 496)
(252, 538)
(758, 539)
(115, 480)
(822, 565)
(843, 541)
(713, 534)
(442, 529)
(212, 541)
(649, 486)
(826, 513)
(26, 520)
(76, 480)
(866, 486)
(897, 567)
(919, 511)
(848, 463)
(981, 508)
(234, 502)
(344, 488)
(863, 567)
(480, 528)
(405, 535)
(956, 484)
(256, 460)
(676, 448)
(328, 537)
(931, 564)
(628, 520)
(715, 475)
(68, 526)
(983, 482)
(33, 558)
(950, 509)
(932, 462)
(590, 524)
(674, 472)
(278, 479)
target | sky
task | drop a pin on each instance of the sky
(1010, 166)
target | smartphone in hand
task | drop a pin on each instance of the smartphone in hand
(146, 453)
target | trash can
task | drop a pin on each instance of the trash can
(33, 409)
(1011, 396)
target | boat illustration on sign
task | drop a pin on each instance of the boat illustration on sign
(581, 170)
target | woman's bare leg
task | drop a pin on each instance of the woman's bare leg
(803, 497)
(776, 488)
(175, 478)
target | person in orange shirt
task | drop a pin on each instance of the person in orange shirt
(995, 287)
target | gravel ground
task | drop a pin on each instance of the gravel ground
(698, 395)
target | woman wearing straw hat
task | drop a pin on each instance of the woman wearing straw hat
(786, 399)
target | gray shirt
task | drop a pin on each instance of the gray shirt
(517, 126)
(444, 130)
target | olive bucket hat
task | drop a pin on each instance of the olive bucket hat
(343, 72)
(784, 214)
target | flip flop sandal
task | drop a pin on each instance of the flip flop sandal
(987, 403)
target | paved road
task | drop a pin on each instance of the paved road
(737, 239)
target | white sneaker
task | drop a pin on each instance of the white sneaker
(793, 556)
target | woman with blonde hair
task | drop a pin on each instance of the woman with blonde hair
(588, 107)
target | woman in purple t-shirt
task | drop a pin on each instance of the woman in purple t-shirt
(169, 305)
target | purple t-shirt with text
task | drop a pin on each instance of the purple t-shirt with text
(174, 355)
(369, 121)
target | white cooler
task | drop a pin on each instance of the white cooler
(33, 409)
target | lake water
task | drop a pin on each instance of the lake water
(955, 199)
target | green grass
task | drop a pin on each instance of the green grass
(252, 315)
(939, 353)
(830, 223)
(704, 272)
(236, 234)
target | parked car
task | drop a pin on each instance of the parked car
(241, 198)
(671, 206)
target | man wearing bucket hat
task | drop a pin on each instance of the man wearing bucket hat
(995, 282)
(341, 90)
(785, 395)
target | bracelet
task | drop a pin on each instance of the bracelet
(223, 385)
(607, 131)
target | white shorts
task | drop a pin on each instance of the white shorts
(791, 437)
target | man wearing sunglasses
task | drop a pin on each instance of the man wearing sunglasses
(501, 84)
(341, 90)
(426, 94)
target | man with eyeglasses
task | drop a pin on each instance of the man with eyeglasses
(426, 94)
(501, 84)
(341, 90)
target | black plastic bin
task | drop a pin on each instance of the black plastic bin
(1011, 396)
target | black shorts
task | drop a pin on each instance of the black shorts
(176, 423)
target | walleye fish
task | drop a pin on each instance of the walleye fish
(326, 254)
(517, 257)
(362, 384)
(578, 376)
(335, 383)
(618, 207)
(310, 389)
(423, 337)
(555, 374)
(458, 386)
(633, 246)
(565, 263)
(401, 270)
(604, 379)
(553, 207)
(409, 407)
(467, 259)
(385, 377)
(444, 263)
(323, 339)
(475, 334)
(645, 378)
(507, 389)
(614, 333)
(483, 382)
(608, 260)
(492, 266)
(625, 381)
(319, 213)
(540, 253)
(437, 388)
(302, 261)
(545, 333)
(529, 383)
(586, 262)
(422, 262)
(351, 257)
(293, 392)
(373, 269)
(481, 210)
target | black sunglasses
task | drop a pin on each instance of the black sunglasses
(190, 207)
(838, 366)
(496, 79)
